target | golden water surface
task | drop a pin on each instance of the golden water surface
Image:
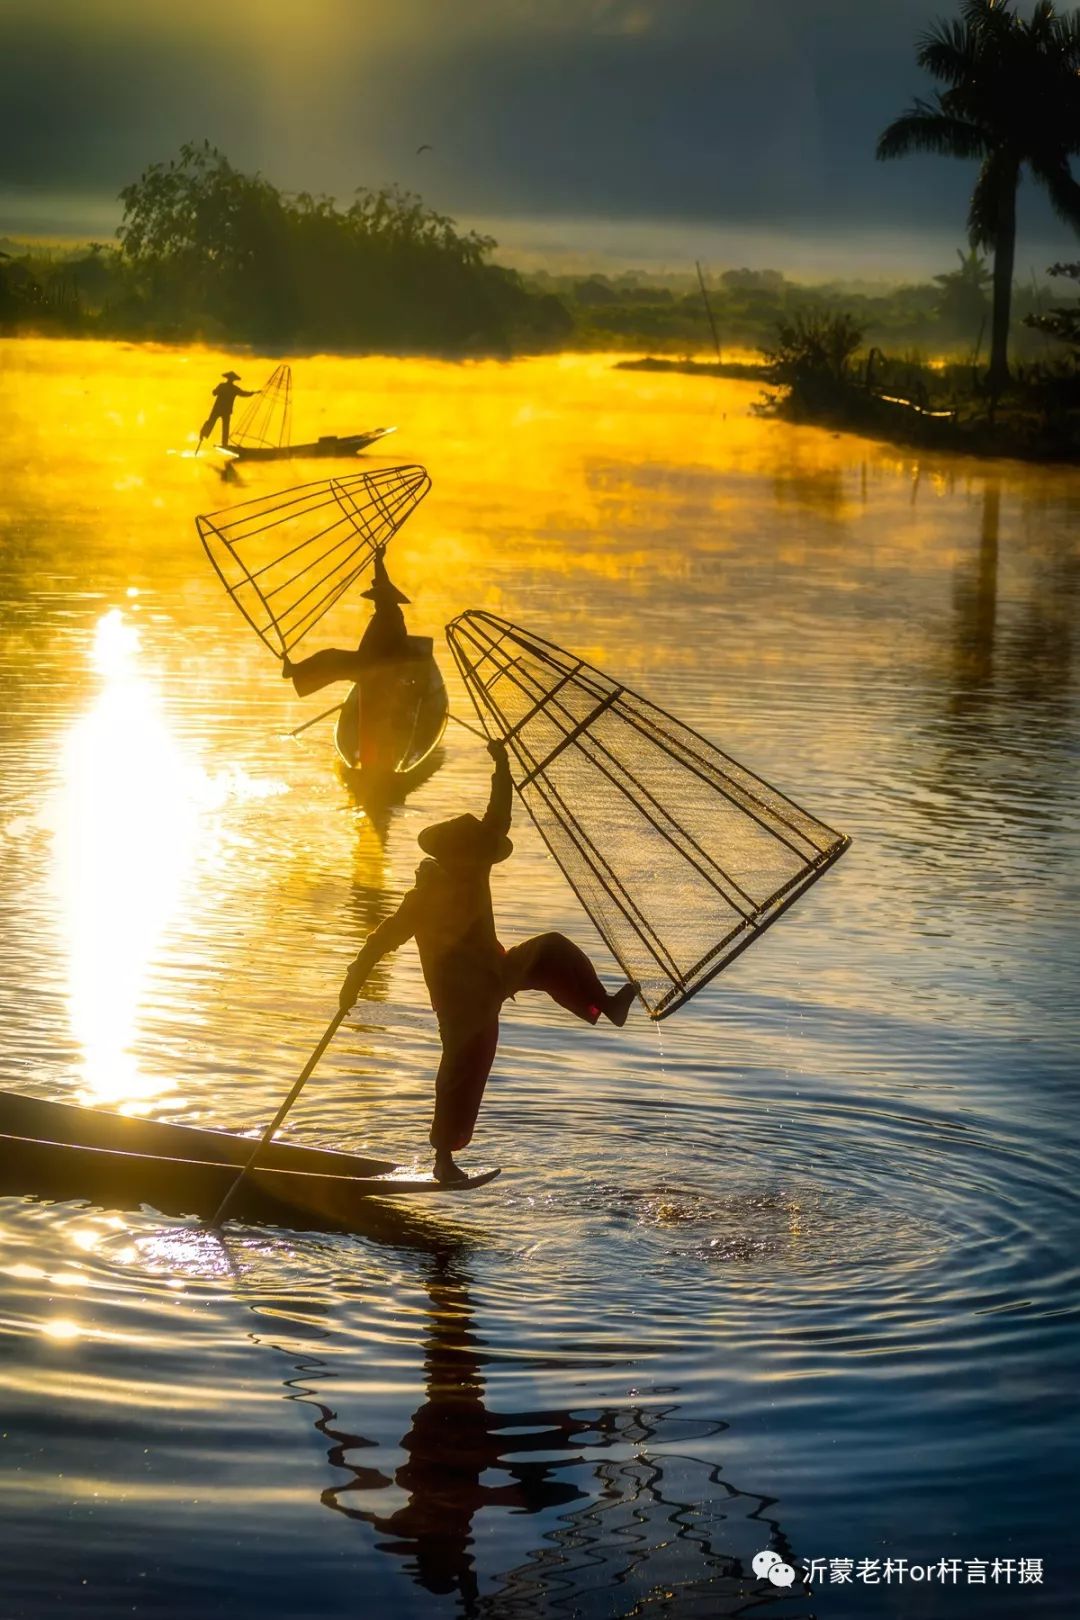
(820, 1218)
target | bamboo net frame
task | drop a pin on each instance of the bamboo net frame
(680, 856)
(267, 422)
(287, 558)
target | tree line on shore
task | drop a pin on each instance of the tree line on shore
(165, 287)
(208, 253)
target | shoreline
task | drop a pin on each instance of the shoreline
(883, 420)
(896, 422)
(1018, 435)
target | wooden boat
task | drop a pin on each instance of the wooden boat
(331, 444)
(58, 1151)
(395, 715)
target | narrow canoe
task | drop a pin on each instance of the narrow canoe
(394, 717)
(57, 1151)
(331, 444)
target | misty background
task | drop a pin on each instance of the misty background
(580, 133)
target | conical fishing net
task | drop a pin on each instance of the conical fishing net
(267, 422)
(286, 559)
(680, 856)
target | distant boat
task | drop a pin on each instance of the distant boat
(264, 432)
(331, 444)
(394, 717)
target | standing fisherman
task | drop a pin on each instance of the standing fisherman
(226, 395)
(468, 973)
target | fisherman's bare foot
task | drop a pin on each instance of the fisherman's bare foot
(618, 1005)
(447, 1172)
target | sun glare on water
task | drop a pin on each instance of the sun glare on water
(127, 830)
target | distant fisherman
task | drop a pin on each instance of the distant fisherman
(226, 395)
(468, 973)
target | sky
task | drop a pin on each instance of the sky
(580, 133)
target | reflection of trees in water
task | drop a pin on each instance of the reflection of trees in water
(662, 1531)
(1022, 656)
(1010, 674)
(975, 607)
(815, 487)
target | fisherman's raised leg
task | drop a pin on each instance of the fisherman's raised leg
(554, 964)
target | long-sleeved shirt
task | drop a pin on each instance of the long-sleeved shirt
(227, 394)
(448, 912)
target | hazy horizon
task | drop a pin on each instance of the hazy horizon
(595, 245)
(583, 134)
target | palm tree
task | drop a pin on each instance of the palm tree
(1012, 97)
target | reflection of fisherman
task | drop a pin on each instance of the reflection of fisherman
(454, 1451)
(386, 638)
(226, 395)
(468, 973)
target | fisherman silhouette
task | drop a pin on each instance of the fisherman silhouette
(385, 639)
(226, 395)
(386, 635)
(468, 973)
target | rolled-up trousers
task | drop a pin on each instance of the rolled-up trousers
(470, 1036)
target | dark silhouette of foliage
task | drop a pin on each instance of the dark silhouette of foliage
(1012, 98)
(752, 280)
(213, 252)
(102, 290)
(1063, 322)
(963, 305)
(813, 351)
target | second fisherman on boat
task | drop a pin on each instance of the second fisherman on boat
(467, 971)
(385, 639)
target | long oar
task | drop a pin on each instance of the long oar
(309, 1069)
(328, 712)
(465, 726)
(324, 716)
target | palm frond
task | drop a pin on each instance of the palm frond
(925, 127)
(1041, 24)
(948, 51)
(1065, 41)
(987, 14)
(1062, 189)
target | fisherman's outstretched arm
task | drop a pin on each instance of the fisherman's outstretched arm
(387, 937)
(501, 803)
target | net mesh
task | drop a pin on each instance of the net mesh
(267, 422)
(680, 856)
(286, 559)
